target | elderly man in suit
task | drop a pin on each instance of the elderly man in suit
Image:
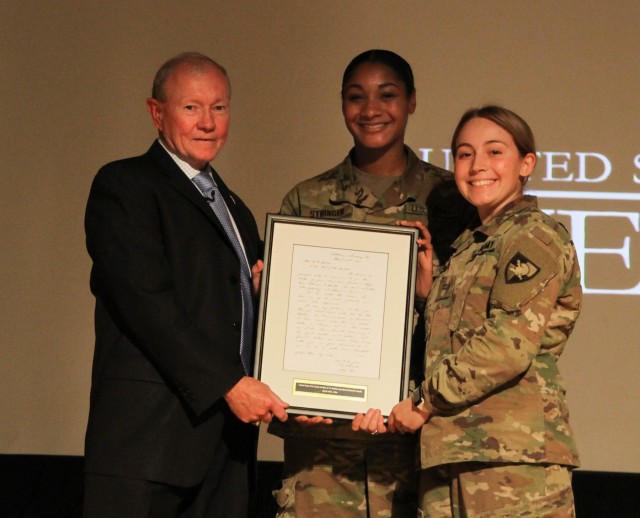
(172, 402)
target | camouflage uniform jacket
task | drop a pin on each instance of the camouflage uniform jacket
(498, 319)
(424, 192)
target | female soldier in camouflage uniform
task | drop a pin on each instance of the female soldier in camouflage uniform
(329, 469)
(497, 440)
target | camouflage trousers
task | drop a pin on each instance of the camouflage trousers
(482, 490)
(346, 478)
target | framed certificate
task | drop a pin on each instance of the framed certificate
(336, 314)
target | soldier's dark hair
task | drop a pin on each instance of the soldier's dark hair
(193, 60)
(385, 57)
(510, 121)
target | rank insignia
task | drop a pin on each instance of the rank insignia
(520, 269)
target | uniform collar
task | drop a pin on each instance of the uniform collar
(483, 232)
(402, 190)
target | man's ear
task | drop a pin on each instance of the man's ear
(155, 110)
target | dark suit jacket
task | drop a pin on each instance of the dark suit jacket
(167, 321)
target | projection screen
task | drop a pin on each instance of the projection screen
(75, 80)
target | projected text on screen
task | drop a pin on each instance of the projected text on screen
(604, 224)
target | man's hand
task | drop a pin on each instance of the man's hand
(256, 275)
(424, 277)
(252, 401)
(311, 421)
(406, 417)
(372, 422)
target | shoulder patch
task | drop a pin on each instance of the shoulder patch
(524, 270)
(520, 269)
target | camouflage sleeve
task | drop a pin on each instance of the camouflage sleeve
(291, 203)
(521, 303)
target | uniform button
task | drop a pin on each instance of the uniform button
(236, 326)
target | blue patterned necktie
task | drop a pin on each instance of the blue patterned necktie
(216, 202)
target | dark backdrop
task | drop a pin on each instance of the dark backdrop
(34, 486)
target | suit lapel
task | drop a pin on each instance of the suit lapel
(179, 181)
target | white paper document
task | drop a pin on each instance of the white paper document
(336, 311)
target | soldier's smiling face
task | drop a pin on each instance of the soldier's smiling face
(376, 106)
(489, 169)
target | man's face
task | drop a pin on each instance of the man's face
(193, 120)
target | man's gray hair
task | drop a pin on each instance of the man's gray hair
(193, 60)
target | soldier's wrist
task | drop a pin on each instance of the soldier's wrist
(420, 400)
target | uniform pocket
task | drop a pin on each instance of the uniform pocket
(462, 291)
(286, 496)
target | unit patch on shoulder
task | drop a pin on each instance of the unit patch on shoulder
(520, 269)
